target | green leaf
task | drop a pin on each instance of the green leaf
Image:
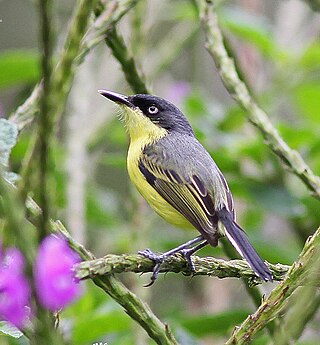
(17, 67)
(96, 214)
(8, 138)
(94, 327)
(253, 30)
(310, 59)
(234, 119)
(297, 135)
(307, 98)
(253, 149)
(286, 255)
(9, 329)
(114, 159)
(195, 106)
(214, 324)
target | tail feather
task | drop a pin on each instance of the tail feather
(240, 242)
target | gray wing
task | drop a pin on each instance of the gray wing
(185, 175)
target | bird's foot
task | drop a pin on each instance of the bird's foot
(158, 260)
(187, 253)
(184, 249)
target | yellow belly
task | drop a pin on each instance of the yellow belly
(155, 200)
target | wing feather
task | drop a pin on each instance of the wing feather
(187, 195)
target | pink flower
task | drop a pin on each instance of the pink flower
(14, 288)
(55, 283)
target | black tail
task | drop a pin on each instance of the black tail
(240, 242)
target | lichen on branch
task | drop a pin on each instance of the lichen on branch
(209, 266)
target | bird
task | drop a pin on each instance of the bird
(179, 179)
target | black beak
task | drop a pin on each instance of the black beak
(116, 97)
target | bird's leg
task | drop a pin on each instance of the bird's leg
(190, 251)
(184, 249)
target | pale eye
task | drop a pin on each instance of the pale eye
(153, 109)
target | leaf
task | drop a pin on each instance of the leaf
(8, 138)
(214, 324)
(195, 106)
(87, 330)
(234, 119)
(310, 59)
(307, 98)
(17, 67)
(253, 29)
(297, 135)
(116, 159)
(97, 212)
(286, 255)
(253, 149)
(8, 329)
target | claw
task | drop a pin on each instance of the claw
(158, 259)
(149, 254)
(187, 253)
(184, 249)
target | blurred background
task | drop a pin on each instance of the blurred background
(276, 45)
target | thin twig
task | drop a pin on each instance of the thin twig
(45, 122)
(60, 85)
(298, 274)
(239, 91)
(118, 47)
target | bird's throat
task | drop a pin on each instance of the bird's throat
(139, 127)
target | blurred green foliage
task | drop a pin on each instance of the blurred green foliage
(18, 67)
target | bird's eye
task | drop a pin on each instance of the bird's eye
(153, 109)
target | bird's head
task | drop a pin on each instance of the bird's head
(149, 115)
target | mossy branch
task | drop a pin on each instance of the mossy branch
(76, 47)
(132, 304)
(137, 84)
(301, 272)
(136, 308)
(208, 266)
(239, 91)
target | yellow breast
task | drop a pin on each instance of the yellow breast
(143, 132)
(155, 200)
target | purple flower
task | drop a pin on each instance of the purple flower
(178, 91)
(56, 285)
(14, 288)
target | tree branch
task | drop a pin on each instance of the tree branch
(314, 4)
(60, 85)
(300, 309)
(208, 266)
(299, 274)
(44, 119)
(76, 47)
(133, 305)
(239, 91)
(119, 50)
(137, 84)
